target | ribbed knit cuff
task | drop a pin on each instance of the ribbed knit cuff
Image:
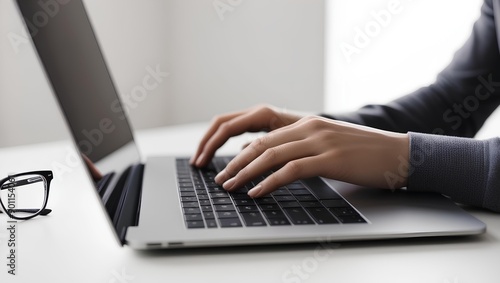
(452, 166)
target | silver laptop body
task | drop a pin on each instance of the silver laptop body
(144, 202)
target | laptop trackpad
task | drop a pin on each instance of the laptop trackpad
(405, 209)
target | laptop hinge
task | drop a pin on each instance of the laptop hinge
(127, 207)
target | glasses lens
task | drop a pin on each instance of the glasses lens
(23, 196)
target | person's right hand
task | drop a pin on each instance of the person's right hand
(223, 127)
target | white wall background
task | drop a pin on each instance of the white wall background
(403, 50)
(259, 51)
(256, 51)
(406, 43)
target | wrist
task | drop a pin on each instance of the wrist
(398, 157)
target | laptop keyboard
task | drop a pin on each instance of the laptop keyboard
(207, 205)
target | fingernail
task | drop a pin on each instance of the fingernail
(253, 193)
(229, 184)
(221, 177)
(200, 159)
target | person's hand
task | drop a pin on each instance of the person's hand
(256, 119)
(312, 146)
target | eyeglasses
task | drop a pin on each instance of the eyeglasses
(24, 196)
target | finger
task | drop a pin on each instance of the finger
(290, 172)
(255, 149)
(94, 172)
(247, 122)
(211, 130)
(271, 158)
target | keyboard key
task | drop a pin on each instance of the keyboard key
(195, 224)
(222, 201)
(212, 184)
(219, 195)
(193, 217)
(239, 192)
(215, 189)
(339, 211)
(274, 214)
(240, 196)
(295, 186)
(211, 223)
(186, 185)
(247, 208)
(205, 202)
(201, 193)
(284, 198)
(200, 197)
(301, 192)
(189, 199)
(188, 194)
(208, 214)
(265, 201)
(335, 203)
(224, 207)
(321, 215)
(190, 189)
(230, 222)
(190, 204)
(306, 198)
(269, 207)
(278, 221)
(242, 190)
(298, 216)
(199, 186)
(244, 202)
(311, 204)
(289, 204)
(281, 192)
(227, 214)
(208, 177)
(189, 210)
(253, 219)
(206, 208)
(351, 219)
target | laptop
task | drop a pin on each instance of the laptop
(166, 203)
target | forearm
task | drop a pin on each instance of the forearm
(442, 108)
(414, 112)
(466, 170)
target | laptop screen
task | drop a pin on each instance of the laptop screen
(75, 66)
(68, 49)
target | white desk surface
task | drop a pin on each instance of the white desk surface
(74, 243)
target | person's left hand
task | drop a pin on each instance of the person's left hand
(315, 146)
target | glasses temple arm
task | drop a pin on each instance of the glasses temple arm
(44, 212)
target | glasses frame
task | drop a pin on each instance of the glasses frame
(47, 176)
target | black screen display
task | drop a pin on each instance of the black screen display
(68, 49)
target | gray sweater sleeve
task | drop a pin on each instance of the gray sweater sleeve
(465, 169)
(443, 118)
